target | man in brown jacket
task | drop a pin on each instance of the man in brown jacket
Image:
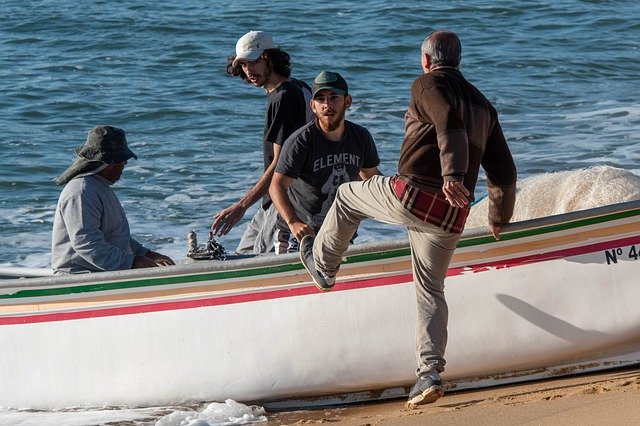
(451, 130)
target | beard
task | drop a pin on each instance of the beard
(261, 79)
(331, 123)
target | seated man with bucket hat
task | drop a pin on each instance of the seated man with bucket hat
(90, 229)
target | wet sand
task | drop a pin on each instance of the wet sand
(611, 397)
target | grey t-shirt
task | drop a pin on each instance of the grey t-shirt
(319, 165)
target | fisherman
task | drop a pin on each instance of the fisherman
(450, 130)
(90, 229)
(259, 62)
(316, 159)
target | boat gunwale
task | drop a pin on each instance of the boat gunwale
(269, 265)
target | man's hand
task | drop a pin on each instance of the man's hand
(143, 262)
(227, 219)
(456, 194)
(495, 230)
(151, 260)
(160, 259)
(300, 229)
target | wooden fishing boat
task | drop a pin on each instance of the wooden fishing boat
(556, 295)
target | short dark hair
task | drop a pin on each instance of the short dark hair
(443, 47)
(277, 59)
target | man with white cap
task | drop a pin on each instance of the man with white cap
(90, 229)
(259, 62)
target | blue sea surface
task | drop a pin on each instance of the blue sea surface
(563, 75)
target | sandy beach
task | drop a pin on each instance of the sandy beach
(611, 397)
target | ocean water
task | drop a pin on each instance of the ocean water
(563, 75)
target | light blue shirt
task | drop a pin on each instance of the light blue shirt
(90, 229)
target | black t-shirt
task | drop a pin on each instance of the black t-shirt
(287, 110)
(318, 166)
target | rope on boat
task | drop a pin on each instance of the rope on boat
(213, 250)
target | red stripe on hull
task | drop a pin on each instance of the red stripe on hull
(301, 291)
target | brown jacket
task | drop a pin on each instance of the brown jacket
(450, 130)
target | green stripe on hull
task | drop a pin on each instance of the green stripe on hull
(276, 269)
(550, 228)
(148, 282)
(470, 242)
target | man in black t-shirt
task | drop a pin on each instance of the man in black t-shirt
(315, 160)
(259, 62)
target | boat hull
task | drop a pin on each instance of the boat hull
(555, 296)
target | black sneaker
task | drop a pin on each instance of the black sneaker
(426, 390)
(321, 281)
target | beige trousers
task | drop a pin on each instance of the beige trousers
(431, 252)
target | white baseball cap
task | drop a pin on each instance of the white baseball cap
(251, 45)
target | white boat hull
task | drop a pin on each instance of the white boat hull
(551, 303)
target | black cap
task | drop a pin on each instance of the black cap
(328, 80)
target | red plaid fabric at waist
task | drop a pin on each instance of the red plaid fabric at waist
(430, 207)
